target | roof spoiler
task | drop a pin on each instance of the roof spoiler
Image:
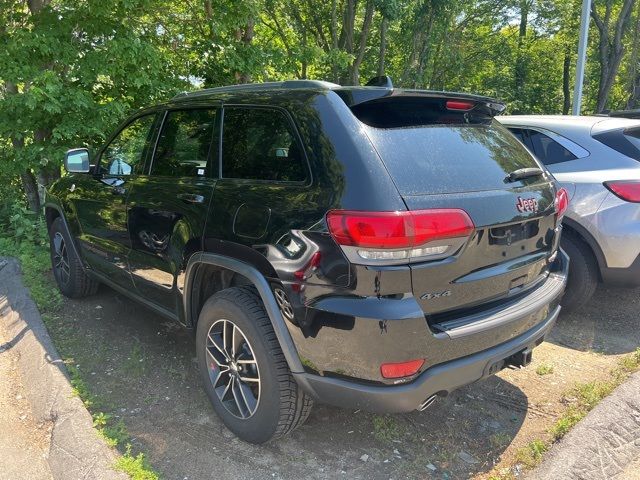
(381, 81)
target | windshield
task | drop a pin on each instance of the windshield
(436, 159)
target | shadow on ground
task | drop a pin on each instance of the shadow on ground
(608, 324)
(143, 369)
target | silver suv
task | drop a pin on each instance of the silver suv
(597, 159)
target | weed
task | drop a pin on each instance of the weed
(504, 474)
(134, 364)
(136, 467)
(544, 369)
(500, 440)
(531, 454)
(386, 428)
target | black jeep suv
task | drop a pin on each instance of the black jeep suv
(368, 247)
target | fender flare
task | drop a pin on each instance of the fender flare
(61, 214)
(264, 290)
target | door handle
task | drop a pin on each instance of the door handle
(191, 198)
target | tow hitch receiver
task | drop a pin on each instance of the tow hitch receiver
(520, 359)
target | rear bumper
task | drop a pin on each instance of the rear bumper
(440, 379)
(624, 277)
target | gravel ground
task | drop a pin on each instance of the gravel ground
(143, 370)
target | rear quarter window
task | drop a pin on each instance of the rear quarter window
(626, 142)
(450, 158)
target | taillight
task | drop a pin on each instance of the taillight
(460, 105)
(628, 190)
(399, 370)
(398, 236)
(562, 202)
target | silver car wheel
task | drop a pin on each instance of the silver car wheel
(233, 369)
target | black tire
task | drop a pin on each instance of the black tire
(583, 272)
(68, 271)
(282, 406)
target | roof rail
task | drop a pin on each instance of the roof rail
(249, 87)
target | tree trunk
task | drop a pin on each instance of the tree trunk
(362, 44)
(346, 36)
(610, 47)
(566, 79)
(30, 187)
(634, 74)
(383, 46)
(246, 37)
(334, 38)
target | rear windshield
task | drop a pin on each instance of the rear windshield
(450, 158)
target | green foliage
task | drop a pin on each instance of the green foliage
(531, 454)
(136, 467)
(544, 369)
(386, 428)
(70, 71)
(23, 235)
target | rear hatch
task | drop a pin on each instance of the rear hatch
(444, 152)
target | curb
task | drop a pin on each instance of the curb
(604, 445)
(76, 451)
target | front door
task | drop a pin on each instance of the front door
(167, 207)
(101, 198)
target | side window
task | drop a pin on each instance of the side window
(127, 152)
(548, 150)
(518, 133)
(260, 144)
(185, 143)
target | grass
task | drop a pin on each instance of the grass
(134, 365)
(500, 440)
(580, 400)
(531, 454)
(544, 369)
(135, 466)
(32, 251)
(386, 428)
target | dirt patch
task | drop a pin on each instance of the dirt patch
(143, 370)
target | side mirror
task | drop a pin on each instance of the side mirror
(77, 161)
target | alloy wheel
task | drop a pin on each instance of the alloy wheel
(61, 259)
(233, 369)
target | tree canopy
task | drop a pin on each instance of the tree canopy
(70, 70)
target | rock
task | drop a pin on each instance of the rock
(467, 457)
(431, 467)
(364, 457)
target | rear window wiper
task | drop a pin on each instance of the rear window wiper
(523, 173)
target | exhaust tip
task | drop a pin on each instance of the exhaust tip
(427, 403)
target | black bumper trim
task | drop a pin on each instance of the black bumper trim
(623, 277)
(440, 379)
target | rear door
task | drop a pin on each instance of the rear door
(167, 207)
(265, 182)
(440, 158)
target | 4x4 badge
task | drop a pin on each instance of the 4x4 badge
(527, 205)
(433, 296)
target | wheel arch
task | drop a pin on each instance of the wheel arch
(574, 228)
(255, 278)
(51, 213)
